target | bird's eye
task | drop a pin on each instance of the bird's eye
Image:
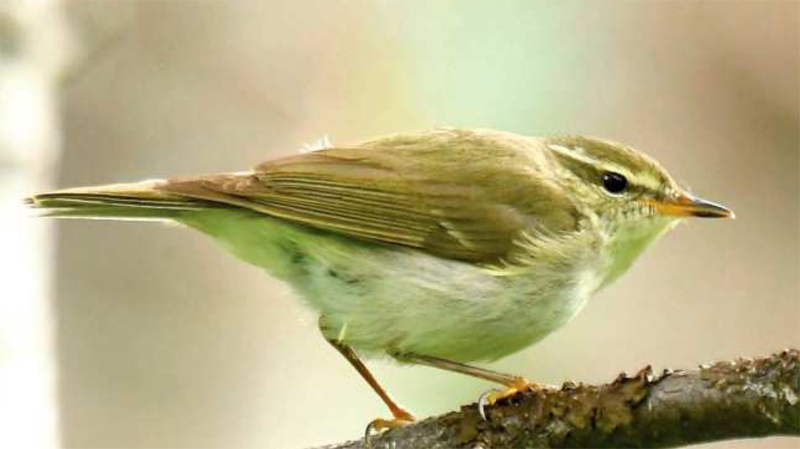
(614, 182)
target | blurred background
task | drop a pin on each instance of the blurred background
(138, 335)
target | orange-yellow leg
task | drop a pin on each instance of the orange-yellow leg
(402, 417)
(513, 384)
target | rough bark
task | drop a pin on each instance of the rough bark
(732, 399)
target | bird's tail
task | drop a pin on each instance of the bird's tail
(134, 201)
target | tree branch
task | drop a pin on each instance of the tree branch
(726, 400)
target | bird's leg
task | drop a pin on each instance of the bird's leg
(513, 384)
(402, 416)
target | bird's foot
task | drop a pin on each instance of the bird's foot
(513, 387)
(401, 418)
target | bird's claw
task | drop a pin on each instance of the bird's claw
(400, 420)
(485, 400)
(492, 396)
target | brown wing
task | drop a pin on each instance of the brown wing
(453, 194)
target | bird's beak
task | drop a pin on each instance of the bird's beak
(686, 205)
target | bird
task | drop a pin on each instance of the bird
(446, 248)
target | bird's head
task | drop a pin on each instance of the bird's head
(622, 185)
(625, 192)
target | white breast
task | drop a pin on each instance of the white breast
(406, 301)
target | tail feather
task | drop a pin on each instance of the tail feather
(134, 201)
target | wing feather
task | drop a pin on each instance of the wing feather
(454, 194)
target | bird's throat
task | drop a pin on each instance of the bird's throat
(626, 245)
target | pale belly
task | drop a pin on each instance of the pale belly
(387, 300)
(404, 302)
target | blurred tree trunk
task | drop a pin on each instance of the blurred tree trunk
(34, 50)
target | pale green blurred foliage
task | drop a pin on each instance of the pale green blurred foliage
(165, 341)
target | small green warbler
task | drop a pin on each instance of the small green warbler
(438, 248)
